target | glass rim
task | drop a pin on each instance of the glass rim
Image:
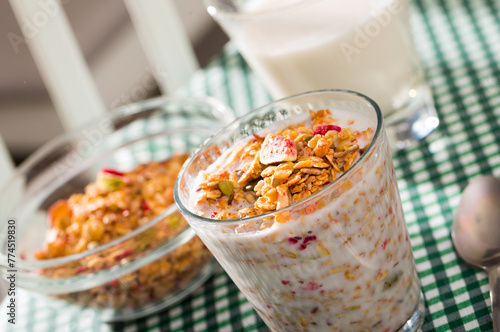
(216, 12)
(210, 141)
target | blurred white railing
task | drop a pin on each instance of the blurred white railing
(65, 72)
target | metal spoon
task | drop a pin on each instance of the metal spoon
(476, 233)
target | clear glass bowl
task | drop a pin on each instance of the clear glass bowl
(143, 271)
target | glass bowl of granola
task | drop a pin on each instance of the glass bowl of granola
(95, 224)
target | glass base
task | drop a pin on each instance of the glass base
(123, 315)
(413, 121)
(114, 316)
(414, 323)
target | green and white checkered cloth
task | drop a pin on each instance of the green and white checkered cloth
(459, 45)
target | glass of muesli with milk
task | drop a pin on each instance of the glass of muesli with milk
(299, 203)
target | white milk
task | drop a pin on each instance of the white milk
(360, 45)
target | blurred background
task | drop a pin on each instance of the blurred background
(109, 42)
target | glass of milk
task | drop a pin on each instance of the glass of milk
(296, 46)
(342, 260)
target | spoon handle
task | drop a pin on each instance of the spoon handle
(494, 278)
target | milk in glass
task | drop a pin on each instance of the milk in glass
(361, 45)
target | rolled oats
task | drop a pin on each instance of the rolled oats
(301, 159)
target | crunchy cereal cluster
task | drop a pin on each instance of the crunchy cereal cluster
(283, 167)
(117, 203)
(114, 205)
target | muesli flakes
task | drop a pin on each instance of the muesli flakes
(284, 167)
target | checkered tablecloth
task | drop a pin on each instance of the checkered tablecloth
(459, 45)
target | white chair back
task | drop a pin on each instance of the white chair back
(66, 74)
(164, 40)
(60, 61)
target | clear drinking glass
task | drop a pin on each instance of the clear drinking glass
(343, 260)
(361, 45)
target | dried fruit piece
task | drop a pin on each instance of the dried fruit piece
(277, 149)
(124, 254)
(110, 180)
(112, 171)
(322, 130)
(144, 205)
(81, 269)
(226, 187)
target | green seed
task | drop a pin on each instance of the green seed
(226, 187)
(174, 221)
(308, 138)
(392, 280)
(251, 185)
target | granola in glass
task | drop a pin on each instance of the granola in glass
(326, 246)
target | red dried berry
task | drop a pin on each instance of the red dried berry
(309, 238)
(126, 253)
(311, 285)
(81, 269)
(145, 206)
(112, 172)
(322, 130)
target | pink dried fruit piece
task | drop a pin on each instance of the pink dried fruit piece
(124, 254)
(144, 205)
(81, 269)
(277, 149)
(112, 171)
(322, 130)
(110, 179)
